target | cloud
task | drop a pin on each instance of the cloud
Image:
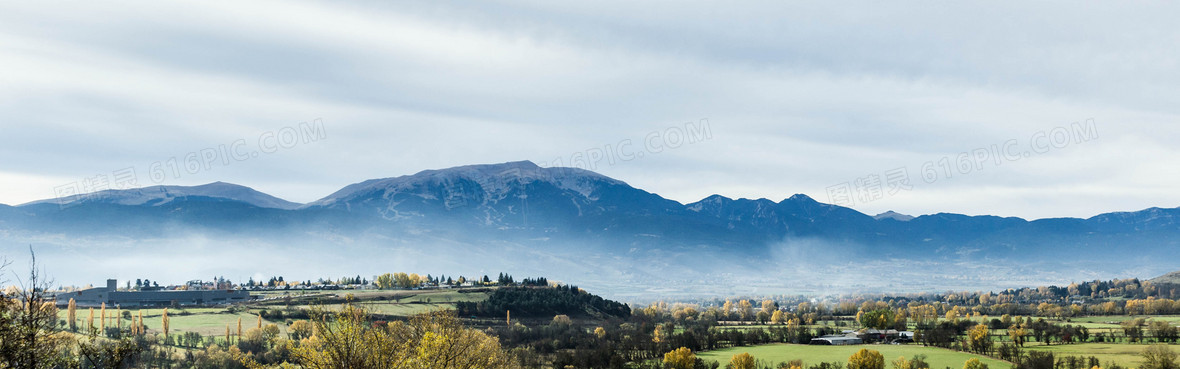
(800, 96)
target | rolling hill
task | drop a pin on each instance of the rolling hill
(1173, 278)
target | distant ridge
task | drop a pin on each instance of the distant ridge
(160, 195)
(577, 223)
(1173, 277)
(558, 207)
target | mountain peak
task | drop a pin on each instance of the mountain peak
(492, 169)
(495, 180)
(716, 198)
(800, 198)
(894, 215)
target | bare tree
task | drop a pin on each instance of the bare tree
(28, 324)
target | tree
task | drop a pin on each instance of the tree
(903, 363)
(385, 281)
(919, 362)
(866, 359)
(1162, 330)
(879, 319)
(974, 363)
(762, 317)
(164, 322)
(681, 358)
(1159, 357)
(979, 340)
(346, 339)
(745, 309)
(73, 315)
(137, 324)
(561, 320)
(777, 317)
(104, 353)
(300, 329)
(270, 332)
(28, 325)
(1017, 333)
(443, 342)
(741, 361)
(769, 306)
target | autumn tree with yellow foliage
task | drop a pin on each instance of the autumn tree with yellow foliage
(346, 339)
(903, 363)
(866, 359)
(979, 339)
(1017, 333)
(777, 317)
(974, 363)
(681, 358)
(165, 322)
(73, 315)
(741, 361)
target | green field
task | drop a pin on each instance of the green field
(1114, 320)
(211, 321)
(206, 321)
(1126, 355)
(814, 354)
(1110, 324)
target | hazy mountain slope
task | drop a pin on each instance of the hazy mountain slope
(522, 201)
(560, 220)
(1173, 278)
(161, 195)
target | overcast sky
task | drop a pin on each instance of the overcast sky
(782, 98)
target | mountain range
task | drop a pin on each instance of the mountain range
(574, 213)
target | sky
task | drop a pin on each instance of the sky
(1045, 109)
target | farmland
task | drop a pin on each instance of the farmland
(1127, 355)
(814, 354)
(558, 326)
(212, 321)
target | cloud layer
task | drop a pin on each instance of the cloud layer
(799, 98)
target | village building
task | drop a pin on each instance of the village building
(111, 296)
(836, 340)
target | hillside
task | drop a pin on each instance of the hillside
(1173, 277)
(543, 302)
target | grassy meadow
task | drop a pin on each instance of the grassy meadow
(212, 321)
(1126, 355)
(814, 354)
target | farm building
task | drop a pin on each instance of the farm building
(113, 297)
(836, 340)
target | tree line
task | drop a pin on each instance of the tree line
(543, 302)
